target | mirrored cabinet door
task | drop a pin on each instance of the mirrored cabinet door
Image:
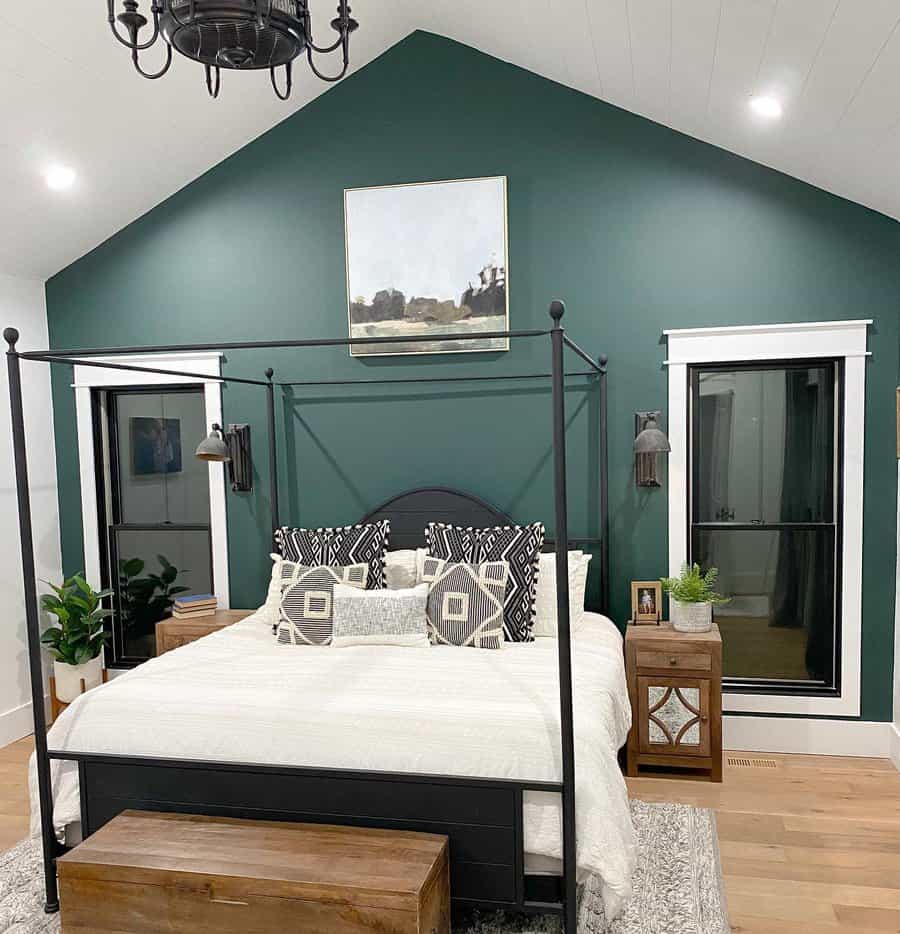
(674, 716)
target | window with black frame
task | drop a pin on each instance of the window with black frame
(156, 522)
(764, 509)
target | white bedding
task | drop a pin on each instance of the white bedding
(238, 696)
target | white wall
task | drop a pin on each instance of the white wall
(22, 307)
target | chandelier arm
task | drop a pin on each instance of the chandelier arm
(153, 75)
(136, 46)
(288, 84)
(213, 88)
(344, 28)
(319, 74)
(325, 49)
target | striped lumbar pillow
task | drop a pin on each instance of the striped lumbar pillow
(306, 610)
(465, 602)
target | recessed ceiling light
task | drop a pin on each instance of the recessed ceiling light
(766, 107)
(59, 177)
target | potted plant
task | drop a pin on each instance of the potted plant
(77, 640)
(691, 598)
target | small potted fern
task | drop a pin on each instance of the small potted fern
(77, 639)
(692, 596)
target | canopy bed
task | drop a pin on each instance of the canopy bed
(494, 810)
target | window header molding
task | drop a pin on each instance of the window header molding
(768, 341)
(757, 342)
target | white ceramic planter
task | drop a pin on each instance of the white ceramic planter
(68, 678)
(690, 617)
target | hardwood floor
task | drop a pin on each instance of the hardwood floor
(14, 807)
(809, 844)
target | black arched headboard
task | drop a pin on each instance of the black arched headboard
(411, 511)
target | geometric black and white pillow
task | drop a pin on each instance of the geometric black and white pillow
(518, 545)
(350, 544)
(465, 602)
(306, 611)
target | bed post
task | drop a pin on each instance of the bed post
(273, 453)
(562, 609)
(36, 671)
(603, 360)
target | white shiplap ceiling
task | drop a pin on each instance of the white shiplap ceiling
(67, 94)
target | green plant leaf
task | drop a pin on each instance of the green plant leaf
(131, 566)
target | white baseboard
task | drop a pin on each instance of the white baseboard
(18, 722)
(895, 744)
(811, 737)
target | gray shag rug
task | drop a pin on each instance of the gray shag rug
(677, 885)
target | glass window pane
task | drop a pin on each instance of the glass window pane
(160, 480)
(145, 585)
(779, 623)
(764, 444)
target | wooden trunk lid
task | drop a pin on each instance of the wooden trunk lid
(229, 858)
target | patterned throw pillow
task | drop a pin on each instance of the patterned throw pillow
(351, 544)
(465, 602)
(380, 617)
(518, 545)
(306, 612)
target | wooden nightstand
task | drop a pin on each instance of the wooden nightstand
(675, 685)
(172, 633)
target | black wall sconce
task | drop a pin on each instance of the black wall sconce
(649, 442)
(230, 447)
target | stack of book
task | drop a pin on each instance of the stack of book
(194, 606)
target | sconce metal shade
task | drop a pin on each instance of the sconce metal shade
(213, 447)
(651, 439)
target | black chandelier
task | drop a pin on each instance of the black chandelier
(238, 34)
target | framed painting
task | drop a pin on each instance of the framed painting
(155, 445)
(427, 258)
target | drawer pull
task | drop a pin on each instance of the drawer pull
(704, 718)
(229, 901)
(673, 660)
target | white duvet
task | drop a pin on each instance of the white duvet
(238, 696)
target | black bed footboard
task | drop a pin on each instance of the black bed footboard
(483, 818)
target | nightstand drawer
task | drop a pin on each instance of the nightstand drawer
(675, 661)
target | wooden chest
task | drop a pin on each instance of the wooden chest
(145, 872)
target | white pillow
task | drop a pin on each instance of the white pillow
(380, 617)
(273, 595)
(545, 622)
(400, 569)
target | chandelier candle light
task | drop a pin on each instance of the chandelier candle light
(239, 34)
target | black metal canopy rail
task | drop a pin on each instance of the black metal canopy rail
(559, 341)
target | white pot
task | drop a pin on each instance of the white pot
(690, 617)
(69, 677)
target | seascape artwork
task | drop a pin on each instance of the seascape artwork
(427, 259)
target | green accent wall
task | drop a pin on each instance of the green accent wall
(638, 228)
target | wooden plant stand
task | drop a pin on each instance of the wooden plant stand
(56, 705)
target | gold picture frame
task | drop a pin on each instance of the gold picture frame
(646, 603)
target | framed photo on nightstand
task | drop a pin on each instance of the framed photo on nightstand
(646, 603)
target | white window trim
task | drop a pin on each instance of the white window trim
(845, 339)
(90, 377)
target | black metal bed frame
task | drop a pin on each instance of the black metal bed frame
(483, 817)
